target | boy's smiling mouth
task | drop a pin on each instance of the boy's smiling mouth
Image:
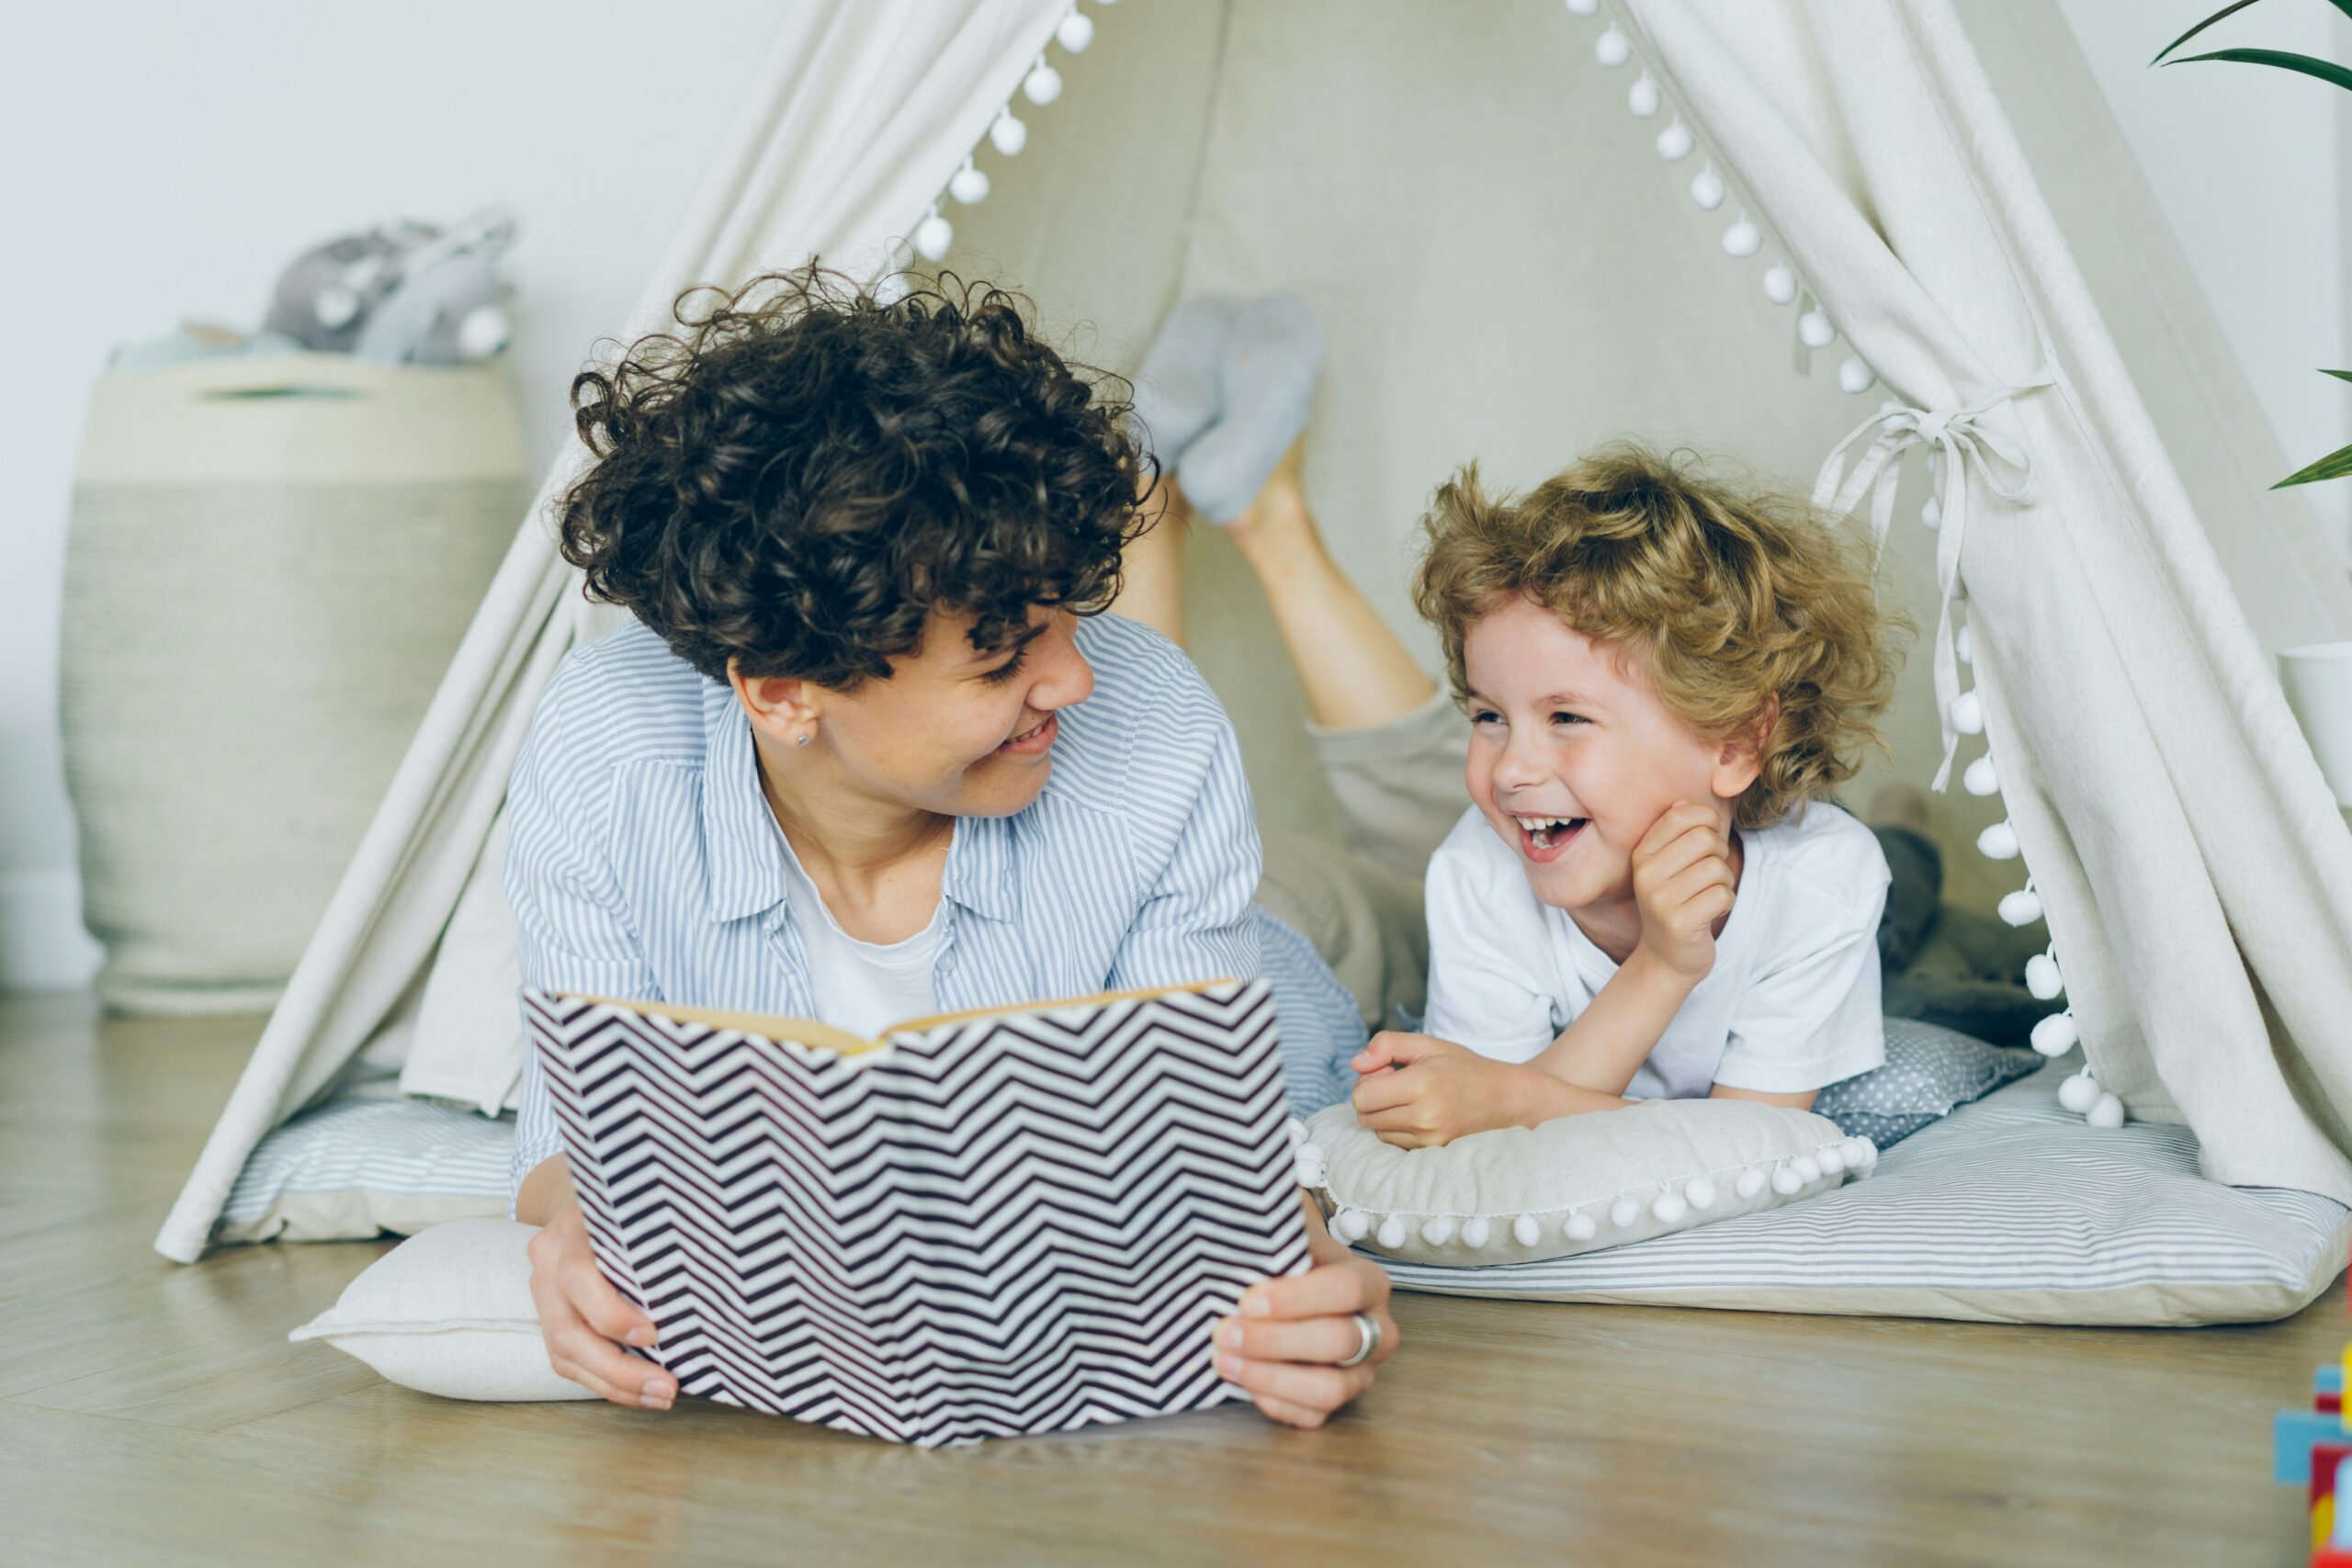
(1546, 839)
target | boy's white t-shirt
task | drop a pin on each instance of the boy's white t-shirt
(1791, 1005)
(862, 987)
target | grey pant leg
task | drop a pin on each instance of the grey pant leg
(1400, 783)
(1362, 919)
(1399, 787)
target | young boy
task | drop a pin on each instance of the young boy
(1663, 673)
(1660, 670)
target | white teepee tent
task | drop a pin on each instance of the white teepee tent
(1511, 264)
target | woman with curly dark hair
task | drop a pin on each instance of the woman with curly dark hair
(871, 752)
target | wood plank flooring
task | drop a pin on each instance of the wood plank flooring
(154, 1414)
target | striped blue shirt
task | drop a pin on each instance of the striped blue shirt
(644, 862)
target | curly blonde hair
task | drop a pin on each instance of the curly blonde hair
(1724, 595)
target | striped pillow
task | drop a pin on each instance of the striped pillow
(2011, 1210)
(2008, 1209)
(355, 1168)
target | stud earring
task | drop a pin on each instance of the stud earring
(802, 741)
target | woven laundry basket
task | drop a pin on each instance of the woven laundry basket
(271, 560)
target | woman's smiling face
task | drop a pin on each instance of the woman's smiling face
(954, 730)
(1573, 757)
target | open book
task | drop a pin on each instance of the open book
(984, 1224)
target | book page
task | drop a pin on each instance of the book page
(1100, 998)
(825, 1037)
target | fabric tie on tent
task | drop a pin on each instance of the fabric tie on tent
(1961, 436)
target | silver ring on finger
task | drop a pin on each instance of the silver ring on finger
(1368, 1331)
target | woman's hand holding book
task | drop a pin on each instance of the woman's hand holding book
(586, 1321)
(1284, 1342)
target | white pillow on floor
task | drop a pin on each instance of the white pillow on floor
(449, 1311)
(1574, 1185)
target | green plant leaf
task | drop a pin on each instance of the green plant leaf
(2334, 466)
(2339, 375)
(2327, 71)
(2224, 11)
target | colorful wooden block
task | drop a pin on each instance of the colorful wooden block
(2339, 1534)
(2326, 1468)
(2329, 1379)
(2293, 1435)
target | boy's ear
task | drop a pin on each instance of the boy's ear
(1741, 758)
(778, 705)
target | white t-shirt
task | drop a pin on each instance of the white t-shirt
(862, 987)
(1791, 1005)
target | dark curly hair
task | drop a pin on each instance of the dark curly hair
(800, 473)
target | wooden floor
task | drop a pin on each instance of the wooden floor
(153, 1414)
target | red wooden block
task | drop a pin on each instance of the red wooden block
(2327, 1402)
(2325, 1457)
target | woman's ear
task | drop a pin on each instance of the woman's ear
(1740, 759)
(783, 707)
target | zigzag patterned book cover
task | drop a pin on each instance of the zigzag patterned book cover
(982, 1225)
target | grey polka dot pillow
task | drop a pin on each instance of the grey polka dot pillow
(1930, 1071)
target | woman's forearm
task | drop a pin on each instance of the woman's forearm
(546, 1190)
(1606, 1045)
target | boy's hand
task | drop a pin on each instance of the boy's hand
(1442, 1092)
(1683, 881)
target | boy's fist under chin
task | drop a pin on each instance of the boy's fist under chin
(1684, 883)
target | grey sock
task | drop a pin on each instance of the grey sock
(1268, 380)
(1176, 386)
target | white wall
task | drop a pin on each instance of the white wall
(2252, 166)
(165, 160)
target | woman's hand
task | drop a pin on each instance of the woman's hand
(581, 1317)
(1282, 1343)
(1442, 1092)
(1684, 883)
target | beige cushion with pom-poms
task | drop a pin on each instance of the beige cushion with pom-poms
(448, 1312)
(1575, 1185)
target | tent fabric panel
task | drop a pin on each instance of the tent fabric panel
(2287, 577)
(896, 90)
(2152, 774)
(2259, 811)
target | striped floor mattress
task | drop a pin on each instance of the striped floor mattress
(2008, 1209)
